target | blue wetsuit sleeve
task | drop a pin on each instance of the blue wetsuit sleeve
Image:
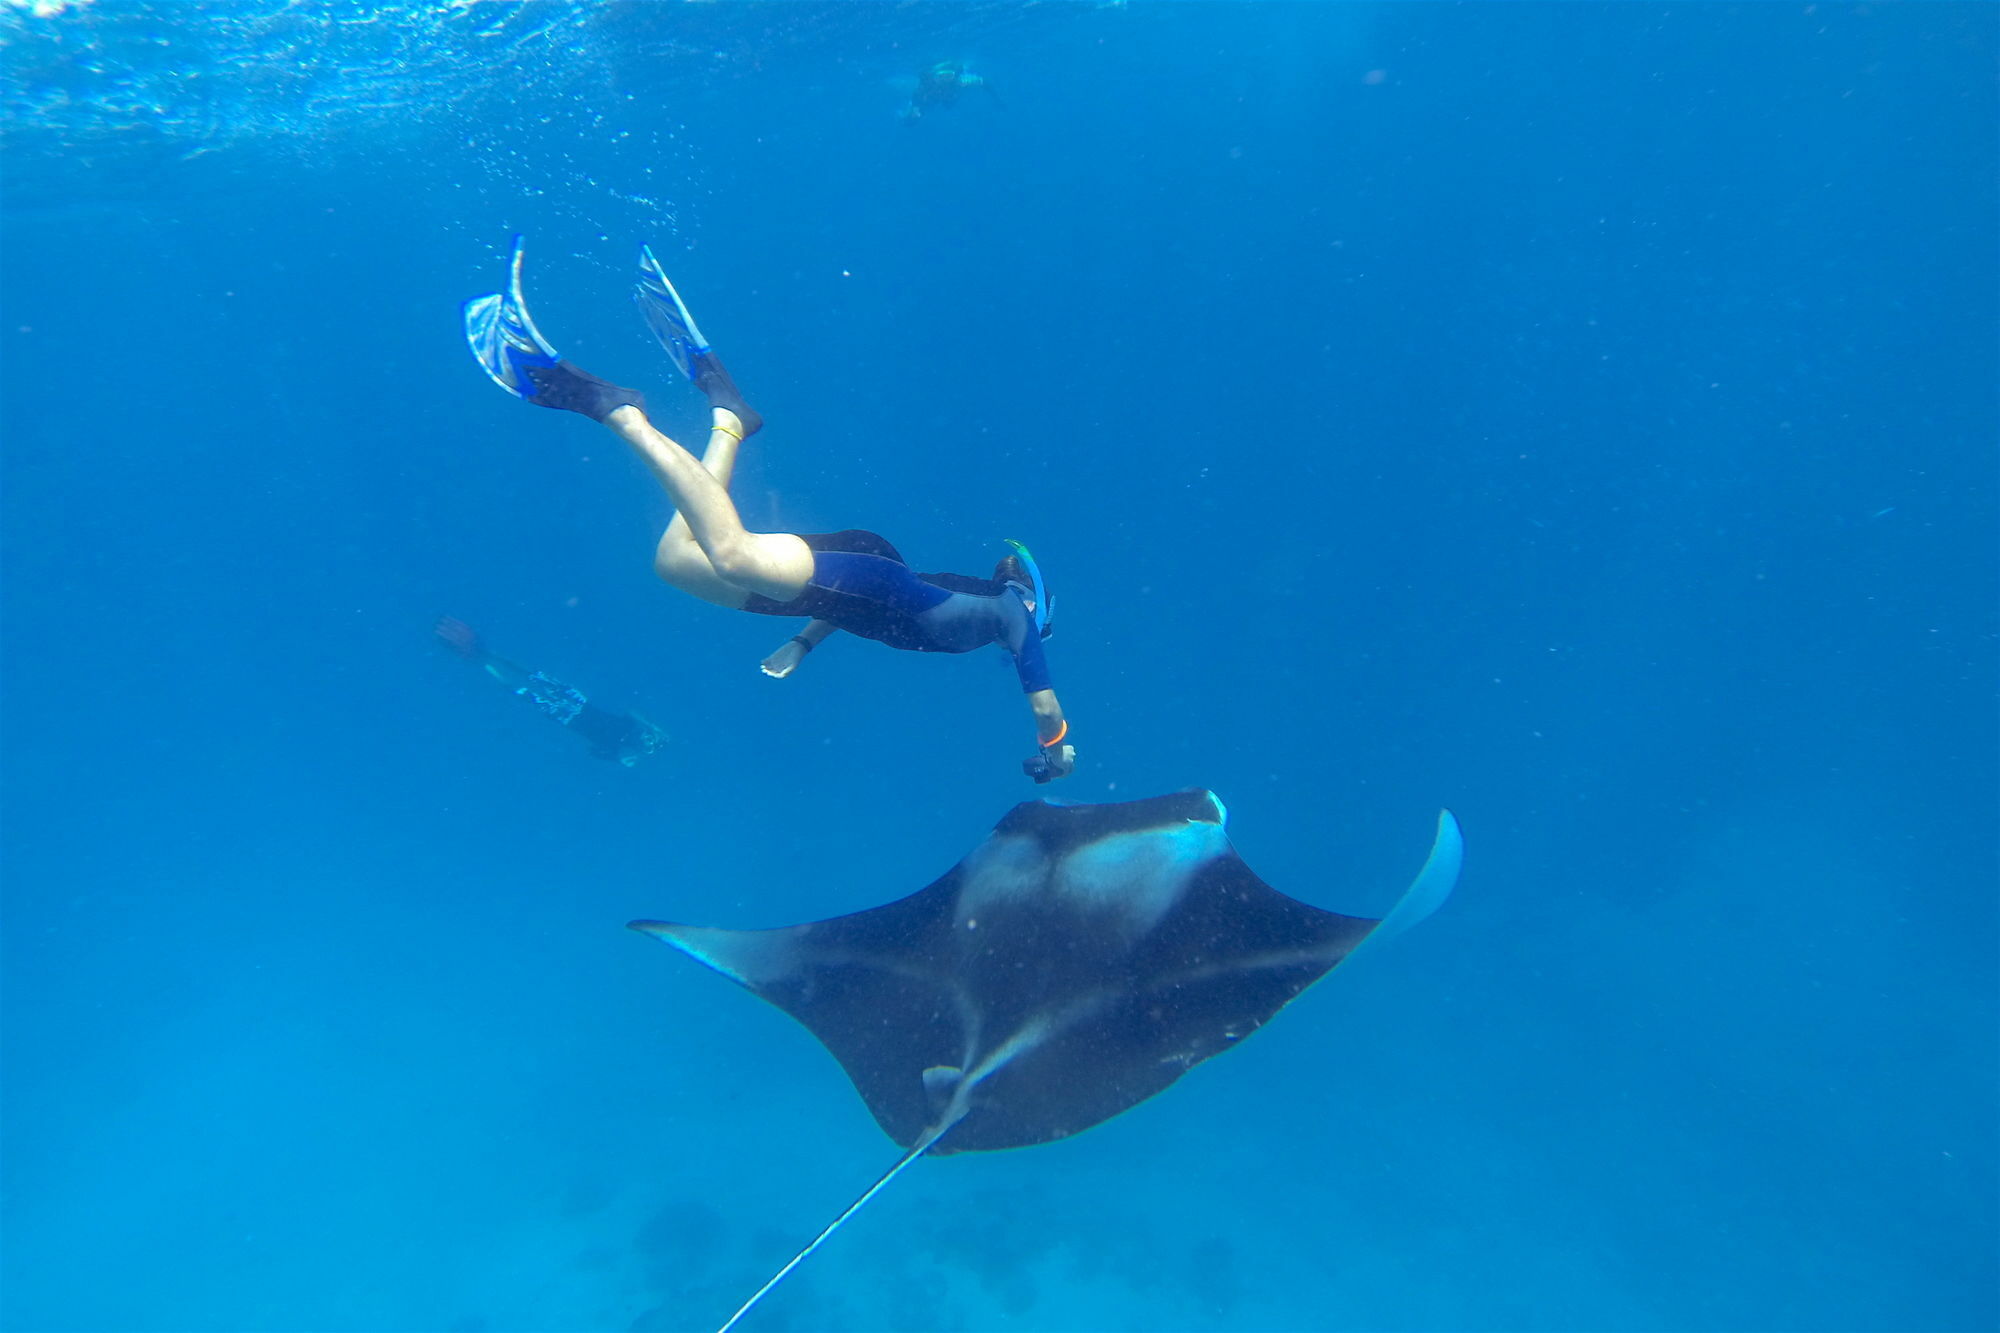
(1032, 662)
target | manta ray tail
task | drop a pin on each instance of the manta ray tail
(923, 1146)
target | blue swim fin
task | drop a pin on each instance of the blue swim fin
(668, 317)
(672, 323)
(503, 338)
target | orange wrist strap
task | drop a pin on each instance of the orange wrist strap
(1057, 738)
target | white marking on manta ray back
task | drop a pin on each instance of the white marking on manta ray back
(1029, 1037)
(1139, 876)
(999, 870)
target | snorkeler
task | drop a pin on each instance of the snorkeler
(626, 737)
(853, 580)
(939, 86)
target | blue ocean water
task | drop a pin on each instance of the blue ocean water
(1582, 416)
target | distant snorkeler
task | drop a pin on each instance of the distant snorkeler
(626, 737)
(852, 580)
(939, 86)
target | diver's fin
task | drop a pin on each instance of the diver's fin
(667, 315)
(673, 324)
(503, 337)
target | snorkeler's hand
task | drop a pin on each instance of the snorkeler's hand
(1052, 762)
(786, 660)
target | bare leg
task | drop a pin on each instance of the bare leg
(706, 550)
(679, 560)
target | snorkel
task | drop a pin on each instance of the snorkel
(1035, 592)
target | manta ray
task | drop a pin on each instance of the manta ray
(1077, 962)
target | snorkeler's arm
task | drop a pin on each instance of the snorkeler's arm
(792, 651)
(1053, 758)
(1050, 724)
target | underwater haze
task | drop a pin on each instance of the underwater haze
(1581, 416)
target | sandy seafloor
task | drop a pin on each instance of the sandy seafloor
(1580, 416)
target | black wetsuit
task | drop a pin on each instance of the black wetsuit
(861, 584)
(611, 735)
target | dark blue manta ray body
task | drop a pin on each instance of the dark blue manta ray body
(1079, 961)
